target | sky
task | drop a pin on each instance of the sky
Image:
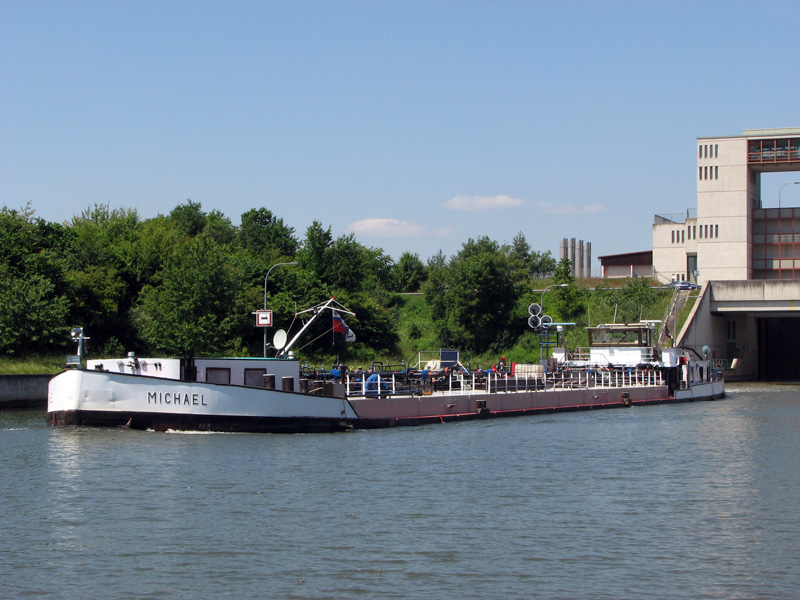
(416, 126)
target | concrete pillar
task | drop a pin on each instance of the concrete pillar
(587, 256)
(571, 255)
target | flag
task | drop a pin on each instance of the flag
(339, 326)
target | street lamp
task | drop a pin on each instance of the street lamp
(561, 285)
(779, 194)
(266, 277)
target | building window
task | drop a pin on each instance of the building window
(694, 232)
(706, 230)
(716, 150)
(673, 236)
(700, 151)
(689, 232)
(683, 239)
(716, 231)
(716, 172)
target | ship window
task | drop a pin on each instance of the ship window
(217, 375)
(254, 377)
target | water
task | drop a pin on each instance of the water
(688, 501)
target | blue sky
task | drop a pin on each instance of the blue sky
(415, 125)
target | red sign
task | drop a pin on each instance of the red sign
(263, 318)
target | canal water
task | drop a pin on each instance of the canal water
(697, 500)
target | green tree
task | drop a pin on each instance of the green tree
(345, 264)
(313, 253)
(191, 311)
(408, 273)
(435, 291)
(472, 298)
(101, 272)
(33, 303)
(220, 228)
(568, 302)
(189, 218)
(32, 317)
(261, 232)
(519, 254)
(483, 296)
(541, 264)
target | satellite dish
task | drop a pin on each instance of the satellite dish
(547, 320)
(279, 340)
(534, 321)
(535, 310)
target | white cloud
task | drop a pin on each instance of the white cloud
(482, 203)
(392, 228)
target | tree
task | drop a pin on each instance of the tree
(32, 317)
(189, 218)
(261, 232)
(541, 264)
(408, 273)
(482, 295)
(33, 305)
(101, 271)
(568, 302)
(220, 228)
(345, 264)
(191, 312)
(519, 258)
(472, 297)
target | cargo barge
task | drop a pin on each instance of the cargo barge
(621, 368)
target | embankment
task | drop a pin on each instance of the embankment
(23, 391)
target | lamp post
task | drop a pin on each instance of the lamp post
(266, 277)
(779, 194)
(780, 240)
(555, 285)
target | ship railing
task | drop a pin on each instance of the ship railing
(376, 385)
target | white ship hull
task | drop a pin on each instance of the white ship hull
(102, 398)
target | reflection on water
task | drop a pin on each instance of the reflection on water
(689, 500)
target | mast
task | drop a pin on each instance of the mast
(316, 310)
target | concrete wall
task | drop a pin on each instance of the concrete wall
(24, 391)
(628, 271)
(725, 319)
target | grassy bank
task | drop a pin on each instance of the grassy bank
(33, 365)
